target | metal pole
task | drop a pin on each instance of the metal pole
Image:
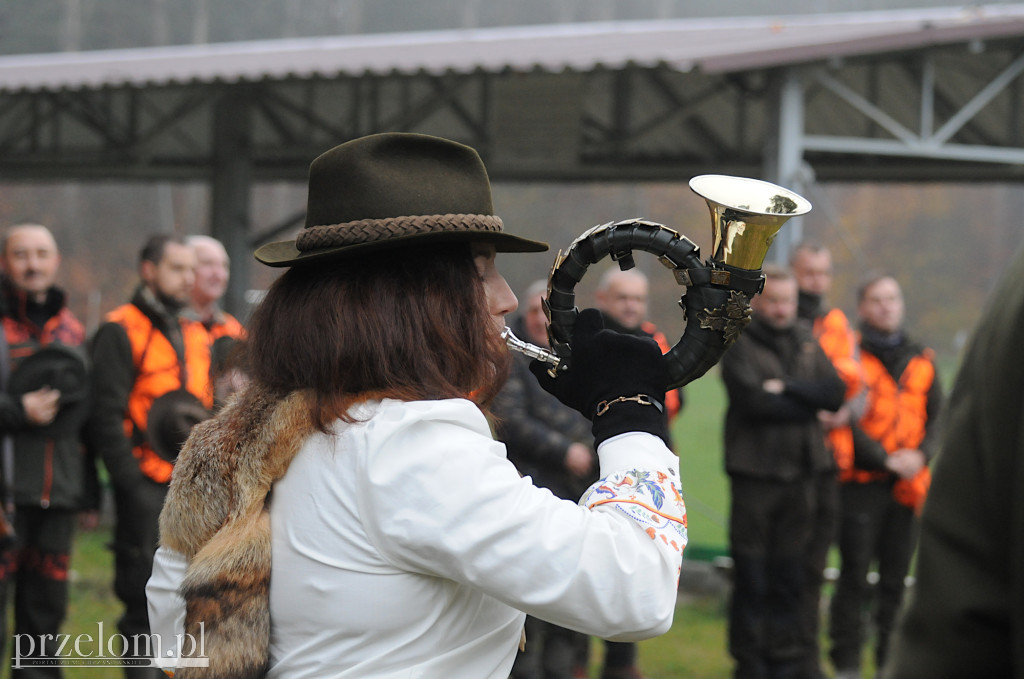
(783, 158)
(231, 182)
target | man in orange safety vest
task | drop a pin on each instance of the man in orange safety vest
(145, 354)
(882, 492)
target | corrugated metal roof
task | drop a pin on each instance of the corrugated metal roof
(711, 45)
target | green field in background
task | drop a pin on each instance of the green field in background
(697, 438)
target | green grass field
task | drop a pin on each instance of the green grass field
(697, 436)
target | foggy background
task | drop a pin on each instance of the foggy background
(946, 243)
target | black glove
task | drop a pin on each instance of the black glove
(605, 366)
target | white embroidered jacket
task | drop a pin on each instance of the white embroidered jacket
(406, 545)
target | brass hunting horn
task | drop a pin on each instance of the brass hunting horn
(746, 215)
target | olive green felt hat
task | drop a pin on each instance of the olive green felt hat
(395, 189)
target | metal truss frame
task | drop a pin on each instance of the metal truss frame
(946, 113)
(978, 124)
(927, 108)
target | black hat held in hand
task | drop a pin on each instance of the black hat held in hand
(58, 367)
(171, 418)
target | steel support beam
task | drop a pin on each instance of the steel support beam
(632, 124)
(231, 184)
(784, 152)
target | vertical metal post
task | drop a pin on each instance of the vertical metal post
(621, 109)
(927, 96)
(231, 182)
(784, 151)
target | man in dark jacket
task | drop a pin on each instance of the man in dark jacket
(552, 444)
(777, 378)
(812, 267)
(48, 476)
(622, 298)
(144, 351)
(885, 488)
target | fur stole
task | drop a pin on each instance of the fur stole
(216, 514)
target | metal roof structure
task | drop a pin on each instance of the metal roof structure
(707, 45)
(911, 95)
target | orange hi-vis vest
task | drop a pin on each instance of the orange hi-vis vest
(158, 371)
(839, 343)
(673, 404)
(896, 417)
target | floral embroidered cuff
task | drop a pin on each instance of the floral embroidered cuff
(650, 498)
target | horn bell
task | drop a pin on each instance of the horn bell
(746, 215)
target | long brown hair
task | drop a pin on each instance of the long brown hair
(410, 324)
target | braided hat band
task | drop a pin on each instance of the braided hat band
(369, 230)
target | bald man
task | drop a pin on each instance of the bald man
(213, 269)
(550, 443)
(622, 299)
(47, 477)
